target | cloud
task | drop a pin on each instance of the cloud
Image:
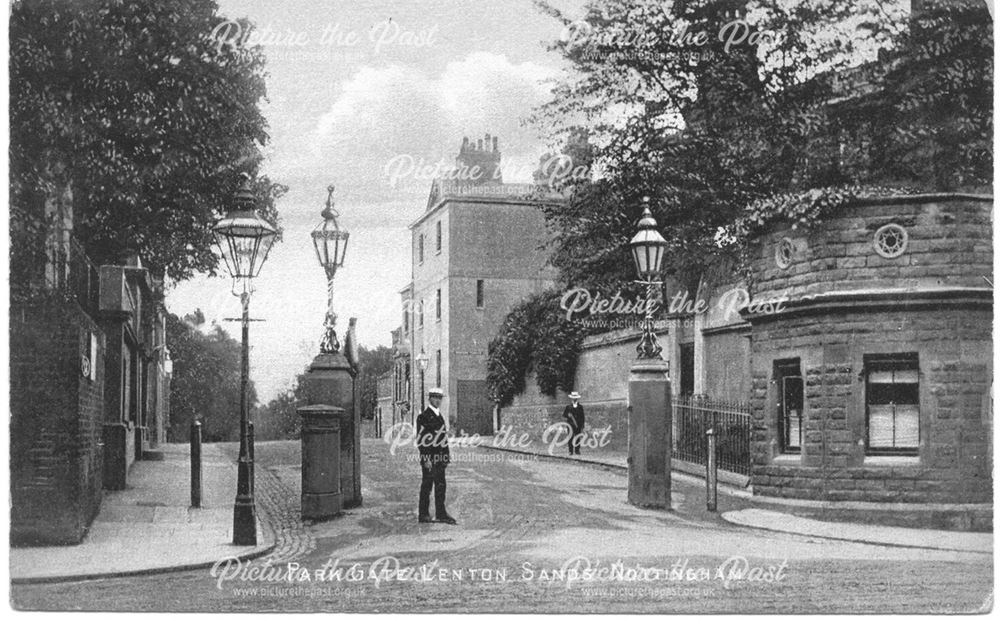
(384, 112)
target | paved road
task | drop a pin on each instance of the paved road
(528, 530)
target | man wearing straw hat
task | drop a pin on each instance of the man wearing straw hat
(573, 414)
(432, 442)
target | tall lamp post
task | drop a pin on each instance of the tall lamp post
(244, 239)
(649, 425)
(331, 248)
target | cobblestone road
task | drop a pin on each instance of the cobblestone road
(521, 522)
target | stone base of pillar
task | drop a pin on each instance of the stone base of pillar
(649, 434)
(322, 497)
(330, 381)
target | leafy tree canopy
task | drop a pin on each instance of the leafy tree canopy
(144, 114)
(706, 129)
(205, 384)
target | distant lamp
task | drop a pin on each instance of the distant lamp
(421, 360)
(331, 248)
(648, 247)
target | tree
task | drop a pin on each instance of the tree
(731, 114)
(372, 363)
(205, 384)
(145, 114)
(706, 129)
(279, 418)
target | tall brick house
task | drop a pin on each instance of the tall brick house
(469, 270)
(89, 389)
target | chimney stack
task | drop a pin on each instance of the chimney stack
(495, 147)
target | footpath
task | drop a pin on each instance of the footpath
(736, 507)
(150, 527)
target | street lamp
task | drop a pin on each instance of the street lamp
(331, 247)
(647, 251)
(650, 411)
(422, 364)
(244, 239)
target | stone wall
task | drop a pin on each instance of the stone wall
(846, 303)
(56, 424)
(950, 245)
(602, 381)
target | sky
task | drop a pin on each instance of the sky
(372, 97)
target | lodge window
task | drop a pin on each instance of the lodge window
(788, 378)
(892, 402)
(437, 305)
(420, 312)
(438, 245)
(437, 364)
(480, 294)
(420, 249)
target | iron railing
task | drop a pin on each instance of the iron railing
(694, 415)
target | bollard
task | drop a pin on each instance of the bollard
(253, 462)
(196, 464)
(712, 472)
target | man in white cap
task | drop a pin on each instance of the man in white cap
(573, 414)
(432, 442)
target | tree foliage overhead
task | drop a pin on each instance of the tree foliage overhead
(140, 110)
(707, 129)
(205, 384)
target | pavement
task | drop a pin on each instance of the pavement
(150, 527)
(521, 520)
(735, 507)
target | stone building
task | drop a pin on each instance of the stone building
(89, 383)
(469, 270)
(873, 383)
(860, 372)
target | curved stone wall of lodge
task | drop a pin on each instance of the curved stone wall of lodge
(847, 305)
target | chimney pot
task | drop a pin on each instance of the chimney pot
(495, 147)
(479, 145)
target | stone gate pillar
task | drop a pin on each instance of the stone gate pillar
(330, 381)
(649, 434)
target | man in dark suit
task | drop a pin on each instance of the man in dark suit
(573, 414)
(432, 442)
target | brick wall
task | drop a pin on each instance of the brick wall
(56, 424)
(932, 301)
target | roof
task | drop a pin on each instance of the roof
(444, 191)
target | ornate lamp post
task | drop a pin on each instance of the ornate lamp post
(331, 248)
(422, 364)
(330, 383)
(647, 251)
(244, 239)
(649, 424)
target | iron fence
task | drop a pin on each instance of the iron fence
(694, 415)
